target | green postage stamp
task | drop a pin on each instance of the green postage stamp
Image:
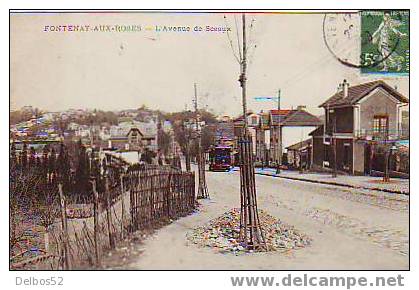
(385, 42)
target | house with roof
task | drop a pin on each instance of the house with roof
(262, 152)
(252, 122)
(358, 119)
(299, 155)
(133, 136)
(285, 127)
(132, 141)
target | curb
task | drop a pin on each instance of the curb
(332, 183)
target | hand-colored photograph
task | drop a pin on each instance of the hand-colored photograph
(195, 140)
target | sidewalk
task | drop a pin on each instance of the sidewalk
(396, 185)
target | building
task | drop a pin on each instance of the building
(133, 135)
(276, 119)
(252, 123)
(286, 126)
(300, 154)
(224, 133)
(262, 152)
(134, 140)
(358, 120)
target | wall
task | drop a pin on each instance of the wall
(359, 157)
(341, 144)
(318, 151)
(260, 144)
(378, 103)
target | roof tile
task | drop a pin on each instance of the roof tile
(356, 93)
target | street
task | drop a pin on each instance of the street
(351, 229)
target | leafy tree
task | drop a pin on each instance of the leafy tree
(184, 135)
(208, 137)
(147, 156)
(82, 175)
(22, 116)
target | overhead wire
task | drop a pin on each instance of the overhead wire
(231, 42)
(238, 38)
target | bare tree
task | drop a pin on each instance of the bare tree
(23, 186)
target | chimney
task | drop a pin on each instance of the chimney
(339, 88)
(345, 86)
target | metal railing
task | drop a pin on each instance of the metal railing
(377, 135)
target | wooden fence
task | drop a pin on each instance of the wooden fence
(134, 198)
(157, 195)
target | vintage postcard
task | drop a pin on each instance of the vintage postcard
(196, 140)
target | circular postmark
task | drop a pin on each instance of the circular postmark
(346, 36)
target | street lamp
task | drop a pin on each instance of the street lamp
(393, 149)
(388, 162)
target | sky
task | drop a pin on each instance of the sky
(113, 70)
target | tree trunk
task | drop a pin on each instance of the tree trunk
(46, 239)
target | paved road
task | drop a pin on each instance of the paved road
(351, 229)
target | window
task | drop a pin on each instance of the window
(380, 124)
(254, 120)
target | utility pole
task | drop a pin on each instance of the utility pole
(250, 230)
(91, 136)
(335, 165)
(187, 156)
(279, 147)
(386, 175)
(202, 184)
(300, 154)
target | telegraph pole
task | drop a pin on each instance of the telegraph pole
(186, 131)
(279, 149)
(387, 147)
(335, 165)
(300, 154)
(202, 184)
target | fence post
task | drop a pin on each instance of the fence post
(132, 200)
(168, 191)
(64, 227)
(122, 205)
(193, 190)
(96, 223)
(152, 215)
(108, 214)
